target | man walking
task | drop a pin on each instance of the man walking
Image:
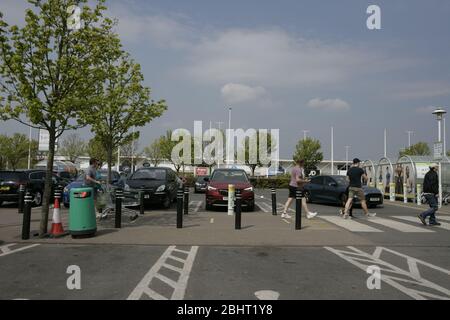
(354, 175)
(297, 182)
(431, 191)
(90, 180)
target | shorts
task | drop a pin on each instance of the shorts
(293, 191)
(352, 192)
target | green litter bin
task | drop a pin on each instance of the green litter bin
(82, 221)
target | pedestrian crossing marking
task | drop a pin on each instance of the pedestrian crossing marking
(443, 225)
(264, 207)
(399, 226)
(195, 204)
(350, 225)
(440, 217)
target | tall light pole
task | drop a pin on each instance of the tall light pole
(229, 136)
(385, 143)
(409, 138)
(304, 134)
(132, 152)
(439, 112)
(29, 149)
(346, 157)
(219, 123)
(332, 151)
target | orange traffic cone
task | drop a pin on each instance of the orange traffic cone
(57, 228)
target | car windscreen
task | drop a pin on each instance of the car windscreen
(342, 181)
(149, 174)
(11, 176)
(229, 176)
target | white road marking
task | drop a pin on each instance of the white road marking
(280, 207)
(286, 221)
(443, 225)
(5, 250)
(267, 295)
(212, 220)
(401, 277)
(196, 204)
(179, 286)
(440, 217)
(264, 207)
(348, 224)
(399, 226)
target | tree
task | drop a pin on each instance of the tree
(3, 144)
(271, 145)
(125, 103)
(167, 146)
(129, 152)
(95, 149)
(154, 151)
(418, 149)
(15, 150)
(308, 150)
(48, 71)
(73, 147)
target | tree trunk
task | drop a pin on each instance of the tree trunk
(48, 183)
(109, 157)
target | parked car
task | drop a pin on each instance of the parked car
(217, 188)
(158, 184)
(200, 184)
(116, 181)
(34, 181)
(331, 189)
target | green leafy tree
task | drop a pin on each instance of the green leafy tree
(73, 147)
(3, 144)
(418, 149)
(125, 102)
(308, 150)
(49, 71)
(154, 152)
(15, 149)
(95, 149)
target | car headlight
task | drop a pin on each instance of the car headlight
(211, 188)
(198, 184)
(249, 189)
(126, 187)
(161, 188)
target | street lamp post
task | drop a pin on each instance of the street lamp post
(304, 134)
(229, 137)
(346, 157)
(219, 123)
(439, 112)
(332, 151)
(409, 138)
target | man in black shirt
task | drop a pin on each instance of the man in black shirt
(354, 175)
(431, 190)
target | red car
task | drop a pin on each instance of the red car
(217, 188)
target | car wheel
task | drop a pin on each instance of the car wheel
(208, 206)
(1, 201)
(251, 207)
(37, 198)
(307, 196)
(167, 202)
(66, 205)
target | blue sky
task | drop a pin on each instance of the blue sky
(292, 65)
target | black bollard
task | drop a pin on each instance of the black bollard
(274, 201)
(180, 208)
(118, 210)
(21, 197)
(298, 209)
(141, 203)
(26, 216)
(238, 215)
(186, 200)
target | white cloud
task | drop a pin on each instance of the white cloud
(237, 93)
(328, 104)
(277, 59)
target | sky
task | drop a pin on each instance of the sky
(290, 65)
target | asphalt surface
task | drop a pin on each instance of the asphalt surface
(413, 260)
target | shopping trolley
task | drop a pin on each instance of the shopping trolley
(106, 202)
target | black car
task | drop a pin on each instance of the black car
(33, 180)
(200, 184)
(331, 189)
(159, 185)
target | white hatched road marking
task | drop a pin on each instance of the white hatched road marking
(401, 277)
(5, 250)
(443, 225)
(179, 286)
(349, 224)
(266, 208)
(440, 217)
(399, 226)
(196, 204)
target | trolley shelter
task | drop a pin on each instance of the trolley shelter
(384, 178)
(370, 170)
(409, 174)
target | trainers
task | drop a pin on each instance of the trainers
(371, 214)
(434, 223)
(285, 215)
(341, 212)
(311, 215)
(422, 219)
(345, 216)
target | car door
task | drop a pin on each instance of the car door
(172, 184)
(330, 190)
(315, 188)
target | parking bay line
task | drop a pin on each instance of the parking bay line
(5, 250)
(179, 287)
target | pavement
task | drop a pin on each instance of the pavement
(208, 259)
